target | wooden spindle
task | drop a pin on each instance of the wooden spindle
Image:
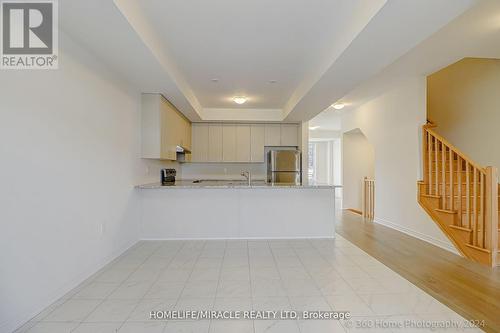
(467, 195)
(459, 190)
(443, 174)
(474, 208)
(436, 173)
(429, 159)
(481, 210)
(452, 198)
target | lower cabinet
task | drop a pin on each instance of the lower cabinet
(215, 142)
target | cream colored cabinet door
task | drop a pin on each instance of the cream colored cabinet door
(272, 135)
(243, 143)
(289, 135)
(200, 143)
(187, 135)
(229, 143)
(169, 131)
(257, 138)
(214, 142)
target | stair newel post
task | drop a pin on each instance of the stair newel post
(491, 213)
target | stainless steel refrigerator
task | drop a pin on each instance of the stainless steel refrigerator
(284, 166)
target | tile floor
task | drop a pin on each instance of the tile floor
(241, 275)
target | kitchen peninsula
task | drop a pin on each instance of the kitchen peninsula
(235, 209)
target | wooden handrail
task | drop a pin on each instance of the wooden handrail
(455, 149)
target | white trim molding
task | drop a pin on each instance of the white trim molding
(434, 241)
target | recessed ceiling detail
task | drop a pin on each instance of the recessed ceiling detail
(287, 41)
(291, 58)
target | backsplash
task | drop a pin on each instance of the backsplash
(222, 170)
(151, 173)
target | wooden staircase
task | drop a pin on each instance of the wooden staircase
(461, 197)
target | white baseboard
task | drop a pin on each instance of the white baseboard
(18, 320)
(437, 242)
(236, 238)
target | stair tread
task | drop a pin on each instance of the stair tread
(431, 196)
(460, 228)
(446, 211)
(478, 248)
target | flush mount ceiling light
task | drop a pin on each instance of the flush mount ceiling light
(239, 99)
(312, 128)
(338, 106)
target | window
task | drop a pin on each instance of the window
(311, 171)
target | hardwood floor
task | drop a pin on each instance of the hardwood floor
(470, 289)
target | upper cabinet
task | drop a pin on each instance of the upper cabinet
(229, 143)
(289, 135)
(163, 128)
(272, 135)
(245, 143)
(257, 142)
(215, 143)
(200, 142)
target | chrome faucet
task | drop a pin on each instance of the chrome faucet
(248, 176)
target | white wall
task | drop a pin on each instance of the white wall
(358, 158)
(69, 149)
(392, 124)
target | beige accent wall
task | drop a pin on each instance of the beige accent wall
(463, 100)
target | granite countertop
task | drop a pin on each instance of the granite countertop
(228, 184)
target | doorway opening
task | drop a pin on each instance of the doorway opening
(358, 165)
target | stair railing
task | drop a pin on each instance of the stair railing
(463, 186)
(368, 198)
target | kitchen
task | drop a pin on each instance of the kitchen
(164, 162)
(265, 194)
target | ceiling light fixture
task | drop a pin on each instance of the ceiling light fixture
(312, 128)
(240, 99)
(338, 106)
(215, 80)
(272, 81)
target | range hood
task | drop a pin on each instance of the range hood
(182, 150)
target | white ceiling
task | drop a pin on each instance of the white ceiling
(316, 50)
(328, 120)
(474, 34)
(246, 44)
